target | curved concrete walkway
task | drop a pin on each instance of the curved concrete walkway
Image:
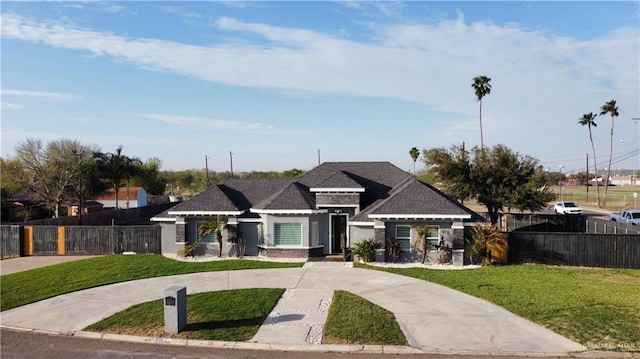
(435, 319)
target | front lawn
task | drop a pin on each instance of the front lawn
(599, 308)
(229, 315)
(41, 283)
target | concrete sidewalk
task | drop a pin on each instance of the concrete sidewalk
(435, 319)
(20, 264)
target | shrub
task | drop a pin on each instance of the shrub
(488, 245)
(393, 249)
(365, 249)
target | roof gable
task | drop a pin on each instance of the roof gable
(340, 180)
(416, 199)
(295, 196)
(213, 200)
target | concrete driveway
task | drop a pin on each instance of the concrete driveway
(435, 319)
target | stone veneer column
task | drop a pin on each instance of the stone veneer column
(379, 232)
(181, 230)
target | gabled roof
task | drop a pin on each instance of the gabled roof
(381, 173)
(378, 178)
(414, 199)
(247, 192)
(339, 181)
(213, 201)
(294, 198)
(389, 192)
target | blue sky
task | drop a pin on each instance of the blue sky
(274, 82)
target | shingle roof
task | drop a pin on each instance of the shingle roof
(295, 196)
(414, 197)
(213, 199)
(389, 191)
(381, 173)
(339, 179)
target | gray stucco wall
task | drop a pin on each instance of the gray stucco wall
(452, 235)
(169, 247)
(358, 233)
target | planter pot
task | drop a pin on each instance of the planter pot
(346, 255)
(458, 257)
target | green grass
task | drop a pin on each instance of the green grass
(591, 306)
(230, 315)
(37, 284)
(353, 319)
(618, 197)
(596, 307)
(236, 315)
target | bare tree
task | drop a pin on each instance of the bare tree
(53, 167)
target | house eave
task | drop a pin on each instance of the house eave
(337, 189)
(360, 223)
(205, 213)
(288, 211)
(162, 219)
(420, 216)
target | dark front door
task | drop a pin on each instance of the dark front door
(338, 232)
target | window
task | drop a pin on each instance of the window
(287, 234)
(433, 240)
(403, 235)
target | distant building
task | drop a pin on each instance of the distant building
(128, 197)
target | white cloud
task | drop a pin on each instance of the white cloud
(540, 81)
(10, 106)
(201, 122)
(56, 96)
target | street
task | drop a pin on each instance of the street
(28, 345)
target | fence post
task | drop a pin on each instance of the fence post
(28, 240)
(61, 238)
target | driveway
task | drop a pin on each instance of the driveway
(435, 319)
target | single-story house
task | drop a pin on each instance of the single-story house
(331, 207)
(128, 197)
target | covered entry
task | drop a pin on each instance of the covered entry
(338, 232)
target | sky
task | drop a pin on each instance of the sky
(278, 85)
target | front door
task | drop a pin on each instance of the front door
(338, 232)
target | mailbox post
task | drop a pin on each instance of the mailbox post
(175, 309)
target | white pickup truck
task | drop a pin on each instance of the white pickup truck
(627, 216)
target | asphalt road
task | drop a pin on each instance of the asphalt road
(29, 345)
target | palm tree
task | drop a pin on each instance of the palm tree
(611, 109)
(116, 167)
(482, 87)
(214, 226)
(424, 232)
(414, 153)
(589, 120)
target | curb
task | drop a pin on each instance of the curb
(312, 348)
(321, 348)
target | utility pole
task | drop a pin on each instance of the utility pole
(635, 177)
(206, 168)
(318, 157)
(231, 162)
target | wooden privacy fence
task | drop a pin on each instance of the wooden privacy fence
(575, 249)
(513, 222)
(10, 241)
(79, 240)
